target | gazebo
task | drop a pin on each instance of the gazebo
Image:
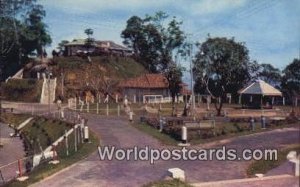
(257, 92)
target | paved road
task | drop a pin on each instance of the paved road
(115, 131)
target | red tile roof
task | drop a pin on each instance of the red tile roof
(146, 81)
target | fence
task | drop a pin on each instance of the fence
(15, 169)
(70, 142)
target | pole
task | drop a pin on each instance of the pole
(192, 78)
(75, 138)
(48, 81)
(67, 145)
(62, 84)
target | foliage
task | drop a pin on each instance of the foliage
(28, 90)
(89, 41)
(174, 77)
(222, 66)
(154, 43)
(168, 183)
(291, 79)
(269, 74)
(22, 32)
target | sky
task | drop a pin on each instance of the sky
(269, 28)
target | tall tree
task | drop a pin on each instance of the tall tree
(222, 65)
(291, 79)
(153, 41)
(90, 40)
(174, 76)
(21, 32)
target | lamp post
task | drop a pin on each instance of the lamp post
(192, 79)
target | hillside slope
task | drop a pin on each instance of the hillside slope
(101, 73)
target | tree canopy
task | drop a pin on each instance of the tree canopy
(222, 66)
(154, 42)
(291, 78)
(22, 32)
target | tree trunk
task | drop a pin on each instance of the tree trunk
(219, 105)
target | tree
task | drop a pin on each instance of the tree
(89, 41)
(222, 65)
(291, 79)
(61, 46)
(269, 74)
(174, 77)
(21, 33)
(153, 42)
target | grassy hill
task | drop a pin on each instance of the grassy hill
(79, 74)
(103, 72)
(25, 90)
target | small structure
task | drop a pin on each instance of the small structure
(146, 88)
(259, 93)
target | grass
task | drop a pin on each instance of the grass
(168, 183)
(263, 166)
(45, 170)
(25, 90)
(164, 138)
(13, 119)
(222, 131)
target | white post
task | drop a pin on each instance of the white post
(107, 110)
(184, 134)
(134, 99)
(208, 102)
(62, 113)
(118, 110)
(130, 116)
(97, 108)
(117, 99)
(88, 107)
(66, 141)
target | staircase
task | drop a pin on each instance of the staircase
(51, 86)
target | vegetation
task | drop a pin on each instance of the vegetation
(222, 66)
(291, 79)
(25, 90)
(101, 75)
(37, 134)
(153, 42)
(164, 138)
(168, 183)
(45, 170)
(22, 33)
(263, 166)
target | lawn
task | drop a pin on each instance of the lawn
(163, 138)
(263, 166)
